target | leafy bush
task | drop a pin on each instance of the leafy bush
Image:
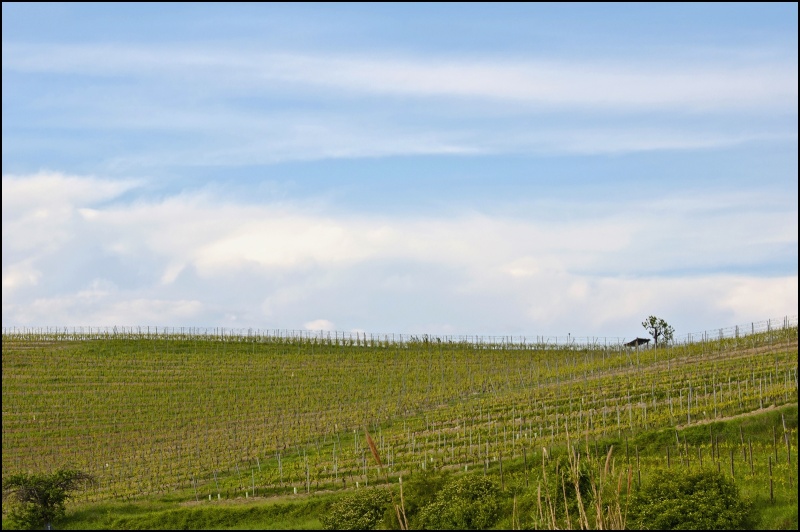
(419, 490)
(677, 500)
(36, 500)
(465, 503)
(361, 510)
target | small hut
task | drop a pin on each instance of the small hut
(636, 342)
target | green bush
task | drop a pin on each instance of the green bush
(419, 490)
(679, 500)
(37, 500)
(465, 503)
(361, 510)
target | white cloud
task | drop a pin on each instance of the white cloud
(195, 258)
(55, 190)
(100, 310)
(20, 274)
(594, 303)
(40, 210)
(746, 297)
(319, 325)
(172, 271)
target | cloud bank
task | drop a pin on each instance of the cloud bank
(106, 253)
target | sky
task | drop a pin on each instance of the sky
(444, 169)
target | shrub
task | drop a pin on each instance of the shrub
(361, 510)
(465, 503)
(419, 490)
(677, 500)
(37, 500)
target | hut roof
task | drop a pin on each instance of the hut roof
(637, 342)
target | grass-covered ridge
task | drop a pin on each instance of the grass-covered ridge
(186, 417)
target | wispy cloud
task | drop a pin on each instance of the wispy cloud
(242, 107)
(565, 83)
(236, 107)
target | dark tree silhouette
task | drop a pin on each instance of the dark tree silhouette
(658, 328)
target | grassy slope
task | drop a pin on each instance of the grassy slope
(176, 508)
(303, 511)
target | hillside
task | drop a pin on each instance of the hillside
(223, 417)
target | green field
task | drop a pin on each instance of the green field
(269, 428)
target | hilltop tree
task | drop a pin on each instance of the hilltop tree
(37, 500)
(657, 327)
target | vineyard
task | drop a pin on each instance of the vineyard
(237, 415)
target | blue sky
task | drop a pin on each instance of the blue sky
(520, 169)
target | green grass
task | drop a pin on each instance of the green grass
(304, 512)
(163, 421)
(300, 514)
